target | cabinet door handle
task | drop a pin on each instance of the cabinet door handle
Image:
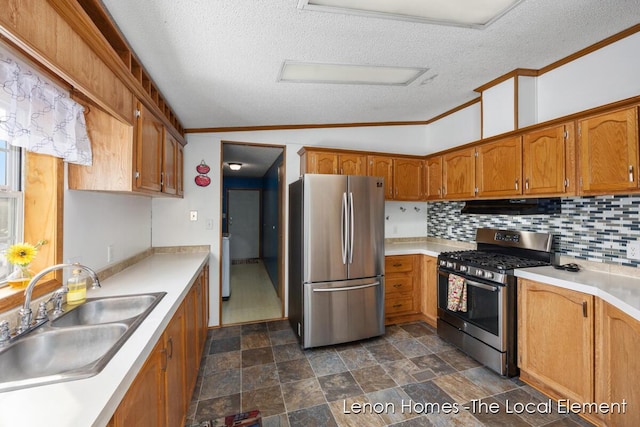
(398, 264)
(397, 285)
(630, 173)
(397, 305)
(584, 309)
(516, 184)
(170, 353)
(526, 184)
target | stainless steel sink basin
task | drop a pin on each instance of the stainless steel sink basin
(76, 345)
(107, 310)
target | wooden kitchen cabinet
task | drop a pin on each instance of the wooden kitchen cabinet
(177, 393)
(180, 170)
(556, 340)
(407, 179)
(144, 403)
(548, 161)
(169, 164)
(617, 363)
(332, 162)
(433, 189)
(149, 147)
(140, 159)
(608, 152)
(161, 392)
(352, 164)
(429, 290)
(499, 168)
(378, 165)
(402, 288)
(458, 174)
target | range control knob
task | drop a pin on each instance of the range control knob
(464, 268)
(443, 262)
(488, 275)
(449, 264)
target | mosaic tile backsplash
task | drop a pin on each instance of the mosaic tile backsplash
(590, 228)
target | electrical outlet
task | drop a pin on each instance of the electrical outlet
(110, 253)
(209, 224)
(193, 216)
(633, 250)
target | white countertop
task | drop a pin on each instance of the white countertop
(419, 247)
(620, 291)
(92, 401)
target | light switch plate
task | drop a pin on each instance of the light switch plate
(193, 216)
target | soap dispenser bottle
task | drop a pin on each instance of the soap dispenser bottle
(77, 285)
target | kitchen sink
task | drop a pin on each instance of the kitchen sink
(109, 309)
(76, 345)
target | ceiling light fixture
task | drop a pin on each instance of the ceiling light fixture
(466, 13)
(235, 166)
(311, 72)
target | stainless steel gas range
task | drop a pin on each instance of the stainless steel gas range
(477, 294)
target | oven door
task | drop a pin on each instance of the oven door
(485, 314)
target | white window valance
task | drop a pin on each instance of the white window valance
(38, 115)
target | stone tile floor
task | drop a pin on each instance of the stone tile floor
(409, 377)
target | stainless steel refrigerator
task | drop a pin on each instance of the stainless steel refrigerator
(336, 258)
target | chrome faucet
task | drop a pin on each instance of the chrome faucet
(25, 314)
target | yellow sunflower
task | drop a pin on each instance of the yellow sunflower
(23, 253)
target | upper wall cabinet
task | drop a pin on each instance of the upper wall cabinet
(407, 179)
(432, 183)
(499, 168)
(458, 174)
(382, 166)
(332, 162)
(149, 146)
(608, 152)
(548, 161)
(144, 158)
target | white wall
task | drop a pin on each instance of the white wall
(607, 75)
(405, 219)
(457, 128)
(171, 225)
(498, 109)
(93, 221)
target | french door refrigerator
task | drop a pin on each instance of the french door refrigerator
(336, 258)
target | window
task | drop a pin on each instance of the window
(11, 202)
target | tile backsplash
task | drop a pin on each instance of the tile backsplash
(590, 228)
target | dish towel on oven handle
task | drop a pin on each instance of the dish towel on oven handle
(456, 293)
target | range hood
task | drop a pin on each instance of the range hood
(547, 206)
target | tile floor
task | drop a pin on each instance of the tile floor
(262, 366)
(253, 296)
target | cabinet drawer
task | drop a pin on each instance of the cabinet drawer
(398, 264)
(398, 284)
(399, 305)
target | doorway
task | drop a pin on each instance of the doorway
(252, 225)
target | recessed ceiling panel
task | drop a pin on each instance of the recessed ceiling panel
(307, 72)
(468, 13)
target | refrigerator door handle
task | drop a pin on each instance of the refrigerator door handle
(351, 227)
(347, 288)
(343, 228)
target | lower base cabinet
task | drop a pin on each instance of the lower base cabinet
(430, 289)
(160, 394)
(617, 365)
(575, 346)
(402, 290)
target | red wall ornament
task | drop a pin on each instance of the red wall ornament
(202, 180)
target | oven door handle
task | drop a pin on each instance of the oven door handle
(482, 285)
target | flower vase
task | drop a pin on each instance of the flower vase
(20, 277)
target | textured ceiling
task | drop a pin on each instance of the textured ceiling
(217, 61)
